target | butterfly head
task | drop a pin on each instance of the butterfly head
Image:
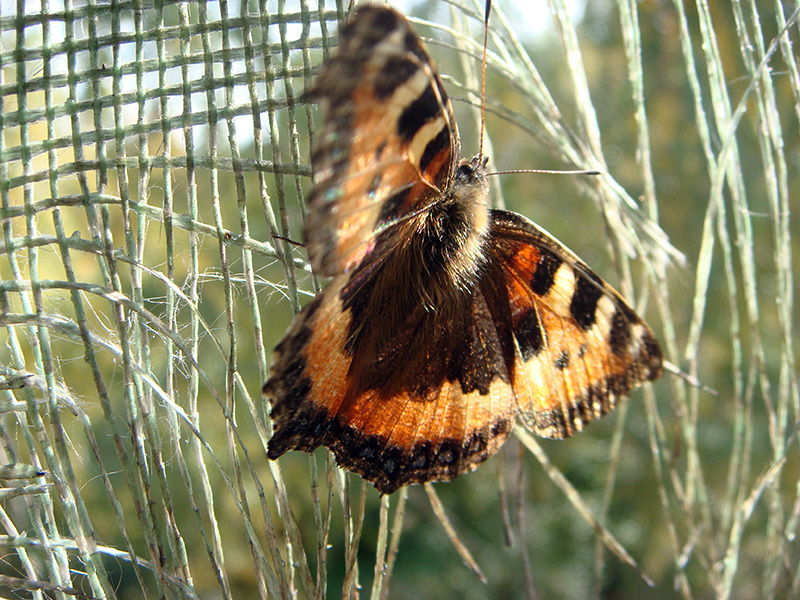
(470, 191)
(472, 170)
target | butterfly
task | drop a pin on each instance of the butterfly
(443, 319)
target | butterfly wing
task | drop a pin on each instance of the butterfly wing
(409, 398)
(389, 144)
(579, 346)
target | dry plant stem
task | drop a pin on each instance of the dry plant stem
(380, 550)
(282, 227)
(608, 492)
(355, 521)
(394, 543)
(319, 527)
(502, 495)
(463, 551)
(575, 499)
(522, 524)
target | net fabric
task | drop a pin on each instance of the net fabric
(148, 153)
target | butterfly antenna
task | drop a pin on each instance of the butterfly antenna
(547, 172)
(483, 74)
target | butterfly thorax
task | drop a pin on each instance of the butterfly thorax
(446, 249)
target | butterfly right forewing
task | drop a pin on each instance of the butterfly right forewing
(580, 347)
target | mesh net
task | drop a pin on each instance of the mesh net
(147, 152)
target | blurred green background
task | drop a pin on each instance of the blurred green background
(149, 153)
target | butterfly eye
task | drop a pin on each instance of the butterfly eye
(465, 171)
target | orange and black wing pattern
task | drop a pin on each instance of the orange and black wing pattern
(399, 396)
(403, 394)
(579, 346)
(389, 143)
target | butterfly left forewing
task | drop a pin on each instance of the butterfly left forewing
(580, 347)
(389, 144)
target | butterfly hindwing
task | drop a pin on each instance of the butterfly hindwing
(405, 398)
(389, 142)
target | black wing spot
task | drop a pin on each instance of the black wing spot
(584, 299)
(394, 73)
(448, 453)
(368, 27)
(393, 206)
(620, 333)
(420, 111)
(529, 335)
(434, 147)
(544, 276)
